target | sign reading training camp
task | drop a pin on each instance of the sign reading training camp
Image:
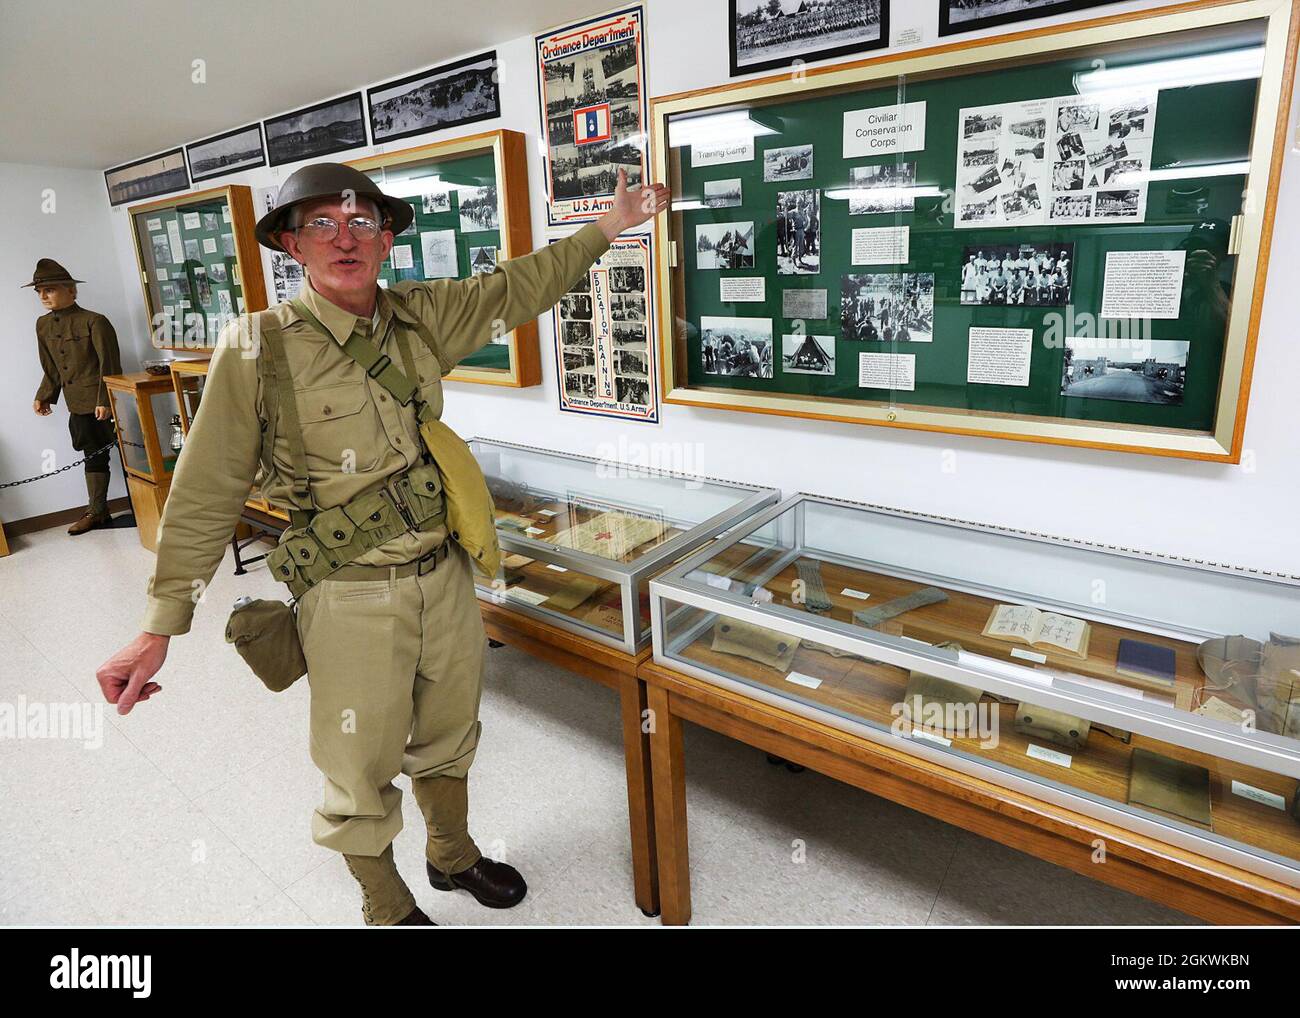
(884, 129)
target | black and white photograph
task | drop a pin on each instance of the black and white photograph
(286, 276)
(478, 208)
(967, 15)
(1072, 206)
(806, 354)
(162, 250)
(887, 187)
(736, 346)
(722, 194)
(798, 232)
(1119, 204)
(147, 178)
(631, 362)
(887, 307)
(628, 334)
(1017, 274)
(627, 278)
(632, 389)
(434, 202)
(579, 357)
(218, 273)
(576, 305)
(449, 95)
(202, 286)
(766, 34)
(316, 131)
(580, 383)
(1068, 175)
(792, 163)
(482, 260)
(724, 246)
(1133, 371)
(240, 149)
(975, 212)
(1022, 203)
(192, 250)
(627, 307)
(576, 333)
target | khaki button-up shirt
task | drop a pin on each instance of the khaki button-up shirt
(77, 349)
(355, 435)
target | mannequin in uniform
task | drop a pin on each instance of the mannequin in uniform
(77, 349)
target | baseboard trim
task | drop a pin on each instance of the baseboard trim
(61, 518)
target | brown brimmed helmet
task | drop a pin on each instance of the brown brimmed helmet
(328, 180)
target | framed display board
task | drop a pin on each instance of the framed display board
(199, 264)
(1055, 236)
(470, 197)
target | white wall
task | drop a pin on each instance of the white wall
(1242, 515)
(78, 234)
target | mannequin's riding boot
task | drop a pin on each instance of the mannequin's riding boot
(96, 514)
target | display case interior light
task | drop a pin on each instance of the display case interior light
(732, 125)
(410, 187)
(901, 195)
(1180, 72)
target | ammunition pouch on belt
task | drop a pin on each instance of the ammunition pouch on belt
(333, 538)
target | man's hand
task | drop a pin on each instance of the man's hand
(124, 677)
(101, 413)
(42, 409)
(632, 207)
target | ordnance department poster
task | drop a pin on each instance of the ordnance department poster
(591, 88)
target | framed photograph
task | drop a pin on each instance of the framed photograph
(316, 131)
(1130, 370)
(967, 15)
(240, 149)
(146, 178)
(768, 34)
(591, 83)
(449, 95)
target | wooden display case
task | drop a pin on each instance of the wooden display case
(473, 192)
(143, 406)
(199, 264)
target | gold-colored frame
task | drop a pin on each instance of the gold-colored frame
(248, 255)
(1254, 228)
(510, 156)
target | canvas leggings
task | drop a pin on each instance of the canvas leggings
(395, 668)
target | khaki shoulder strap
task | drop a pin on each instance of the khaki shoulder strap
(286, 407)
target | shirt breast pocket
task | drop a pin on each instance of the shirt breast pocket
(339, 430)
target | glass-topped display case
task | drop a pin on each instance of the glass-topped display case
(147, 422)
(1152, 692)
(580, 537)
(199, 264)
(470, 197)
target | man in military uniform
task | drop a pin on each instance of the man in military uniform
(77, 349)
(386, 612)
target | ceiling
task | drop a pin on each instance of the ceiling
(86, 83)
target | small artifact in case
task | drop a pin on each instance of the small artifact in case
(929, 696)
(776, 650)
(1169, 785)
(1052, 726)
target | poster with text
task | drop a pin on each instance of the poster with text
(604, 336)
(591, 88)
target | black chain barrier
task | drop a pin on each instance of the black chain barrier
(77, 463)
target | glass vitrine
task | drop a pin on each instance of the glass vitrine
(580, 537)
(1144, 690)
(470, 197)
(199, 264)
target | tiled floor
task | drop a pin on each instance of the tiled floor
(195, 808)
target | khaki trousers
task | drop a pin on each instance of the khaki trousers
(395, 668)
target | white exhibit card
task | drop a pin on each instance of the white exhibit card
(743, 289)
(1143, 284)
(887, 371)
(999, 356)
(803, 304)
(884, 129)
(883, 245)
(174, 240)
(192, 220)
(154, 224)
(736, 150)
(209, 245)
(403, 257)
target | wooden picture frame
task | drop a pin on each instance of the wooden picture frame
(172, 175)
(277, 156)
(227, 168)
(246, 259)
(433, 74)
(1046, 9)
(1277, 22)
(509, 155)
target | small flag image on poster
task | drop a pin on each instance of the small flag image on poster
(591, 124)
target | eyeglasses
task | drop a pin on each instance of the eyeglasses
(322, 228)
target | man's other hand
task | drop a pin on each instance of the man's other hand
(124, 677)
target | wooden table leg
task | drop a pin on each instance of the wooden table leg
(668, 766)
(640, 805)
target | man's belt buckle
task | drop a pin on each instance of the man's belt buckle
(430, 561)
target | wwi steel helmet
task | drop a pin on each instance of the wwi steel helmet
(328, 180)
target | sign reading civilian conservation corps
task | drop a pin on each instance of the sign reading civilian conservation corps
(604, 340)
(591, 86)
